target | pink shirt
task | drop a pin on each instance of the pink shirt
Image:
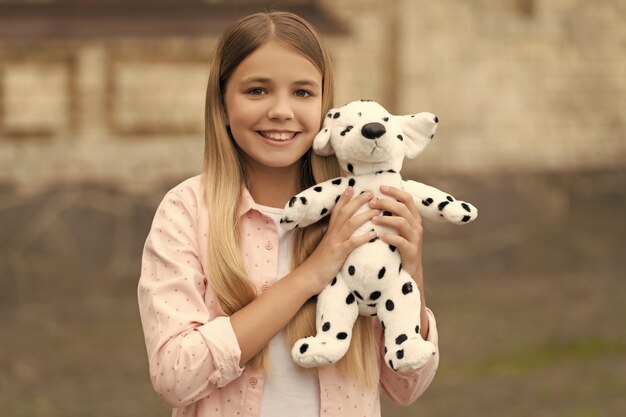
(192, 350)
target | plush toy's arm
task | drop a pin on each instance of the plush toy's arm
(435, 205)
(312, 204)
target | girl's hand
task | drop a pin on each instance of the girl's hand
(338, 241)
(407, 221)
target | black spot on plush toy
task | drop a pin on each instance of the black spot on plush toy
(370, 145)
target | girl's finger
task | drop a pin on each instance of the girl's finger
(347, 209)
(400, 224)
(403, 245)
(344, 198)
(403, 197)
(410, 253)
(356, 221)
(358, 240)
(397, 208)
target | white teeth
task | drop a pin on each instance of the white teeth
(278, 135)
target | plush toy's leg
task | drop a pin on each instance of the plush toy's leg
(337, 311)
(399, 313)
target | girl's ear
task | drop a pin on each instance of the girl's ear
(321, 142)
(418, 130)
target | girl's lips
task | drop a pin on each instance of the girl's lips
(277, 135)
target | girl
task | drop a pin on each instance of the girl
(224, 291)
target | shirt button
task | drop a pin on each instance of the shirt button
(265, 287)
(269, 245)
(253, 381)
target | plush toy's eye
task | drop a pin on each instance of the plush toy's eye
(346, 130)
(386, 119)
(359, 114)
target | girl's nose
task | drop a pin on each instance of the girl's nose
(280, 109)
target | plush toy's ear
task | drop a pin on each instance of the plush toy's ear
(321, 142)
(418, 130)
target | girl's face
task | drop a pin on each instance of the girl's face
(273, 103)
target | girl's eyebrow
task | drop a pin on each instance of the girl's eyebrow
(260, 80)
(306, 82)
(265, 80)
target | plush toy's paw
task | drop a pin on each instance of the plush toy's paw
(315, 351)
(457, 211)
(411, 354)
(294, 212)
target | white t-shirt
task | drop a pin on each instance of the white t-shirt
(289, 390)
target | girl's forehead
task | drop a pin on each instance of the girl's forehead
(275, 59)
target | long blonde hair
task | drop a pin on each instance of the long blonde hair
(225, 175)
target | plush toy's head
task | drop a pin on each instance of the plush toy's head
(366, 138)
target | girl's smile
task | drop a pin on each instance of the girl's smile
(280, 136)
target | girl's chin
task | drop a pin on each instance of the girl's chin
(276, 162)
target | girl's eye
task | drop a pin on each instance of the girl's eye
(257, 91)
(302, 93)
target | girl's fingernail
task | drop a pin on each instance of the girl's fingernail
(384, 188)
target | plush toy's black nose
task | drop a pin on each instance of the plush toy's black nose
(373, 130)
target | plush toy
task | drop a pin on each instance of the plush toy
(370, 145)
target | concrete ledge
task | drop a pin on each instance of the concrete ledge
(113, 19)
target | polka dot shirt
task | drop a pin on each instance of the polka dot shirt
(193, 353)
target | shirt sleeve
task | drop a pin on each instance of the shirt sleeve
(190, 351)
(405, 387)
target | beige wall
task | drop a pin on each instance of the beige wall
(518, 85)
(107, 111)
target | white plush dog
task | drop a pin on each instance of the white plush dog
(370, 145)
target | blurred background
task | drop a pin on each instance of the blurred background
(101, 112)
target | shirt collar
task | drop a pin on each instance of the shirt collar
(247, 202)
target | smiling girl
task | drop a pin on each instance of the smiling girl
(224, 291)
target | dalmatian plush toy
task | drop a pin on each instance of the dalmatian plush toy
(370, 145)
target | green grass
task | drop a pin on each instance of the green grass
(523, 362)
